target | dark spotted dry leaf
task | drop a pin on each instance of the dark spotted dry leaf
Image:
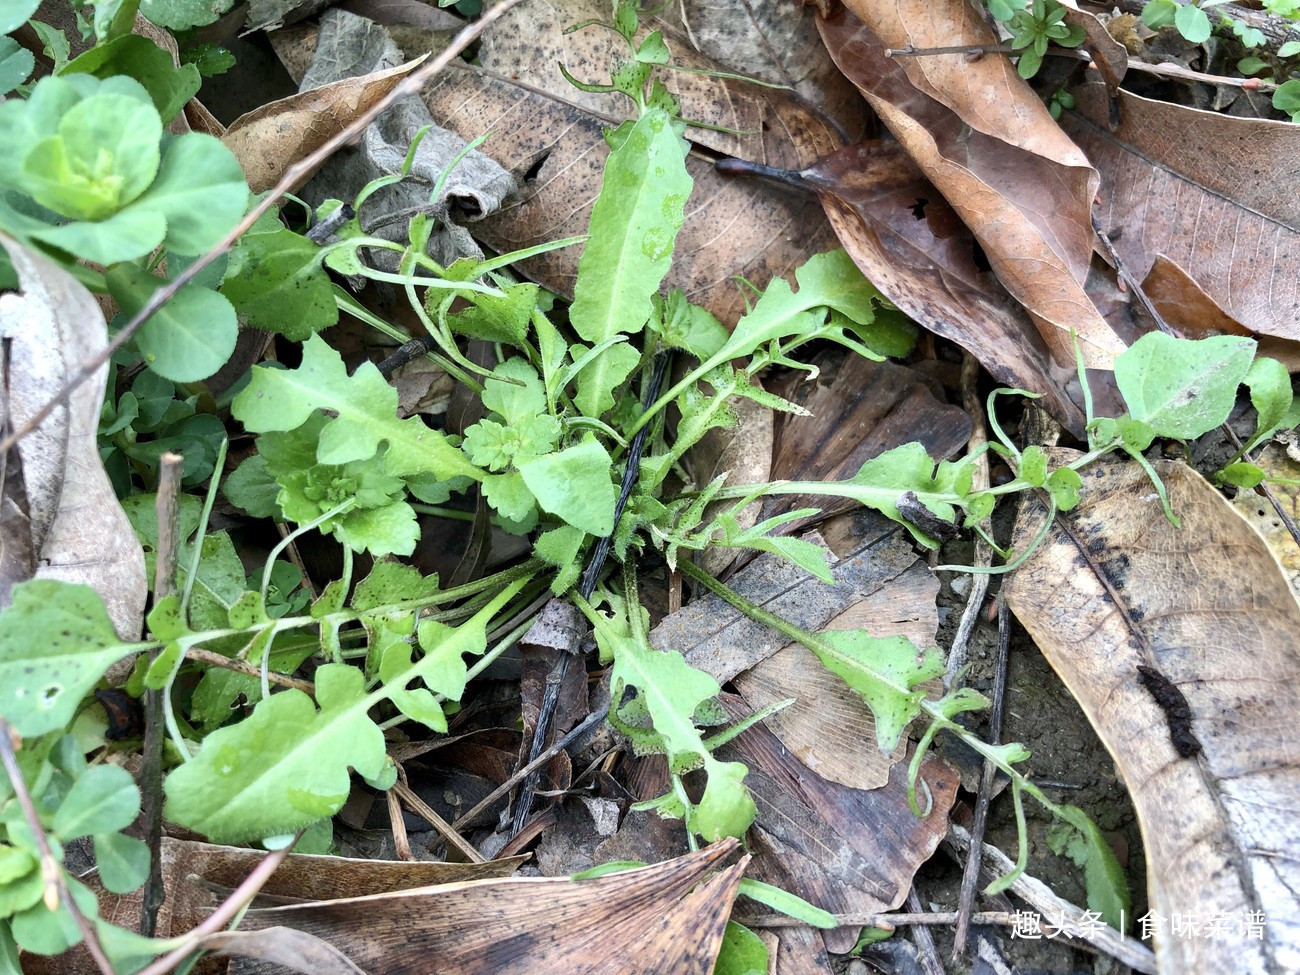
(1204, 736)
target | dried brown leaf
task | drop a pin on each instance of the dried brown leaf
(268, 140)
(284, 947)
(79, 532)
(828, 728)
(846, 850)
(665, 919)
(988, 144)
(1211, 193)
(1203, 736)
(197, 876)
(912, 245)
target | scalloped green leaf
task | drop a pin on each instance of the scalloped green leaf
(884, 671)
(575, 484)
(365, 409)
(275, 283)
(284, 766)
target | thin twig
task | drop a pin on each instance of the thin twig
(979, 581)
(923, 939)
(166, 508)
(397, 821)
(212, 659)
(970, 875)
(579, 731)
(224, 914)
(56, 887)
(1122, 270)
(1163, 69)
(443, 828)
(301, 170)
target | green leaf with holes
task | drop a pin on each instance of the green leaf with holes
(56, 641)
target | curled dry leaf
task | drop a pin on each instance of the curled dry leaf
(1181, 646)
(665, 919)
(285, 948)
(988, 144)
(78, 530)
(1210, 193)
(849, 851)
(268, 140)
(912, 245)
(733, 227)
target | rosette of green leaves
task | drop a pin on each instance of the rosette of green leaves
(86, 168)
(517, 444)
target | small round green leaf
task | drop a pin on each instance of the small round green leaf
(125, 236)
(1287, 98)
(1192, 23)
(200, 191)
(138, 57)
(186, 340)
(276, 283)
(15, 13)
(1242, 475)
(123, 861)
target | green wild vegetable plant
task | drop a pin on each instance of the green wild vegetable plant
(253, 758)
